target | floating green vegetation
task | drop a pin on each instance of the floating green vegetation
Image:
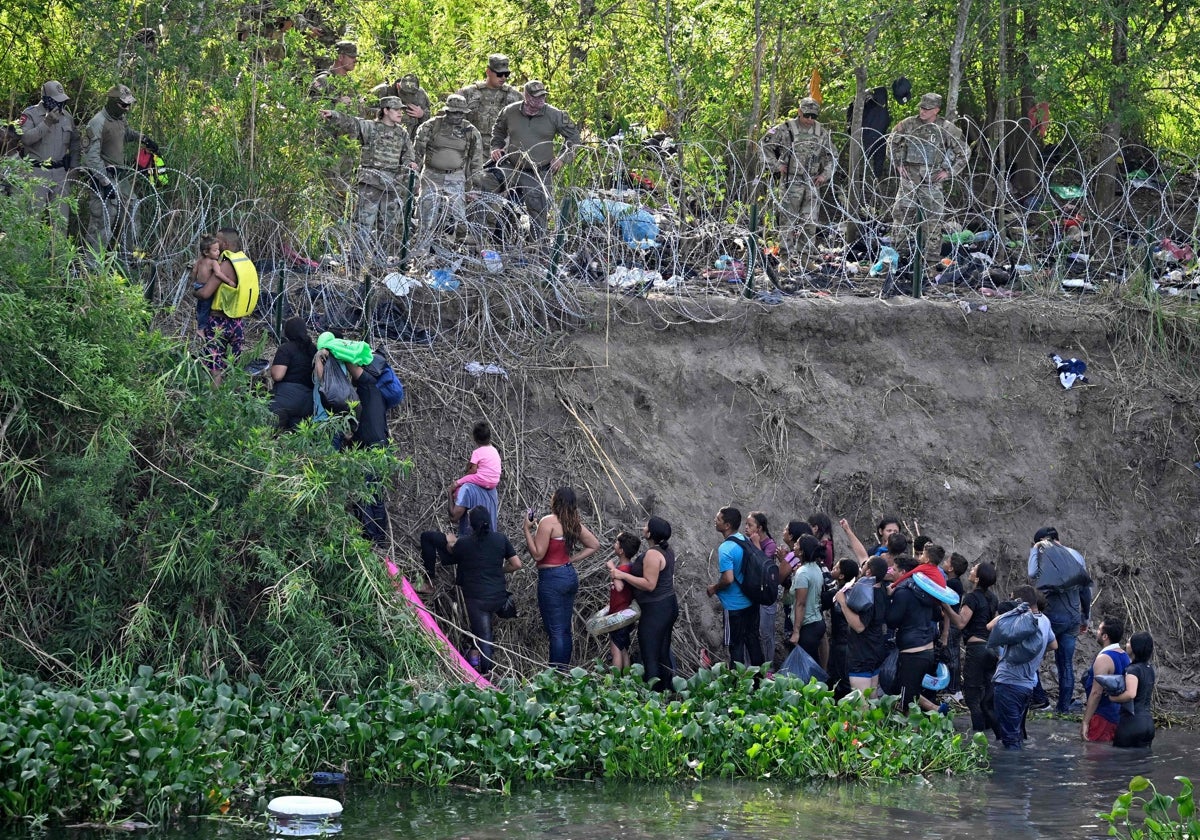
(1142, 813)
(162, 747)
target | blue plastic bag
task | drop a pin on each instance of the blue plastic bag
(800, 664)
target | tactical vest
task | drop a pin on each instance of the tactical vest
(383, 146)
(925, 145)
(807, 147)
(449, 147)
(486, 103)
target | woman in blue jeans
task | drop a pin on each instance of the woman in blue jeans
(558, 543)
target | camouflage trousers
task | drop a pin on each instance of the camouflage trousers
(797, 206)
(924, 195)
(105, 216)
(443, 197)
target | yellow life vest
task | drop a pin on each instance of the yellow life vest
(238, 301)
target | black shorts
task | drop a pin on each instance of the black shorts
(621, 638)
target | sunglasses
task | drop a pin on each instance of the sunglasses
(503, 75)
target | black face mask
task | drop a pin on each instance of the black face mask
(52, 105)
(116, 110)
(454, 118)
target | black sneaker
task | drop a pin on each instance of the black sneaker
(1040, 706)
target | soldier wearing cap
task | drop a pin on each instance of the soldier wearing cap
(487, 98)
(334, 85)
(926, 151)
(523, 143)
(414, 97)
(103, 143)
(449, 152)
(51, 142)
(800, 152)
(387, 157)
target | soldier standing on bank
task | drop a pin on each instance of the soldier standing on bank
(387, 157)
(926, 151)
(103, 144)
(523, 144)
(333, 85)
(415, 99)
(51, 143)
(487, 98)
(800, 152)
(449, 152)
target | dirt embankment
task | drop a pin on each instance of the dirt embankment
(857, 408)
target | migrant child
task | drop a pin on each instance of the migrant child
(484, 470)
(203, 271)
(620, 596)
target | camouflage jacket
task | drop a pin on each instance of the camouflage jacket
(933, 146)
(803, 150)
(386, 149)
(486, 104)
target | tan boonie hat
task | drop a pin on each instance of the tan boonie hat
(55, 91)
(347, 48)
(931, 100)
(391, 102)
(535, 89)
(458, 103)
(498, 63)
(809, 106)
(121, 93)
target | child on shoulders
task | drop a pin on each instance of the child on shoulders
(484, 470)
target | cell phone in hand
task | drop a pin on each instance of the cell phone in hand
(531, 513)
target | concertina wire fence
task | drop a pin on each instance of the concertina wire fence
(714, 220)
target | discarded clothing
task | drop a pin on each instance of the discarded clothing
(1069, 371)
(477, 369)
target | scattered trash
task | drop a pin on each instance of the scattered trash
(1077, 284)
(889, 257)
(477, 369)
(400, 285)
(442, 280)
(492, 262)
(1069, 371)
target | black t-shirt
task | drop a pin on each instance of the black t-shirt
(297, 360)
(372, 412)
(984, 604)
(480, 562)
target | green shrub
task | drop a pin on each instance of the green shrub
(1142, 813)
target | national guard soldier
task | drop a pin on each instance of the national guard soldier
(449, 151)
(50, 141)
(523, 143)
(414, 97)
(488, 97)
(926, 151)
(333, 86)
(103, 144)
(800, 152)
(387, 157)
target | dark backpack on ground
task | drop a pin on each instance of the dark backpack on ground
(1058, 568)
(760, 574)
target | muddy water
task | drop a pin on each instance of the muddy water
(1051, 790)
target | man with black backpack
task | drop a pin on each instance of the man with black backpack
(1060, 573)
(741, 613)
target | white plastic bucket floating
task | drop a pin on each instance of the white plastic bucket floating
(304, 816)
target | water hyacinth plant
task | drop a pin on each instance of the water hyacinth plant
(163, 747)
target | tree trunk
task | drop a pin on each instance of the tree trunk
(956, 51)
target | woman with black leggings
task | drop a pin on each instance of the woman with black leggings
(653, 580)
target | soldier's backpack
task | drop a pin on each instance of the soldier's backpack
(1056, 568)
(760, 574)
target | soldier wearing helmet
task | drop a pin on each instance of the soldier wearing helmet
(112, 181)
(800, 153)
(414, 97)
(51, 143)
(449, 152)
(927, 151)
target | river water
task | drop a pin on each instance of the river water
(1053, 789)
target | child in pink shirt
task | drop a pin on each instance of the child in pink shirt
(485, 461)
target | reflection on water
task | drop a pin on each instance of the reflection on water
(1051, 790)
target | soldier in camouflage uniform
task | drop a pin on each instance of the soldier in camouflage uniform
(112, 182)
(387, 158)
(487, 98)
(926, 151)
(800, 152)
(333, 86)
(414, 97)
(51, 143)
(449, 151)
(523, 143)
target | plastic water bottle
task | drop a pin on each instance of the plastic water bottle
(491, 262)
